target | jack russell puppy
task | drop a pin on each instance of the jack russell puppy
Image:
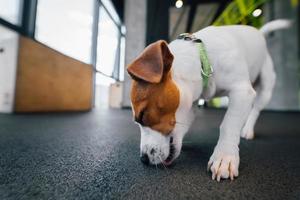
(168, 79)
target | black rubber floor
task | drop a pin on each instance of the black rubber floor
(95, 155)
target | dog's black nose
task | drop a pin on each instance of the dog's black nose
(145, 159)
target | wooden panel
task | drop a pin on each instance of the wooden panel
(50, 81)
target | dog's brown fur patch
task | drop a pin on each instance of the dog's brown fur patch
(154, 95)
(155, 105)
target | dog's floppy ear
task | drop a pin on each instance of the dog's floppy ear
(152, 64)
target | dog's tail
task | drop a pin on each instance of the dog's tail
(275, 25)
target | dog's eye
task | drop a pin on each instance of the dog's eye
(139, 118)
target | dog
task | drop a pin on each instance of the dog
(167, 80)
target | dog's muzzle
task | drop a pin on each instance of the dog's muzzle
(145, 158)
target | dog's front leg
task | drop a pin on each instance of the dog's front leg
(224, 162)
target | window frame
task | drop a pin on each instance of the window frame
(27, 19)
(117, 68)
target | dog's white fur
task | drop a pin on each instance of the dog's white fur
(240, 58)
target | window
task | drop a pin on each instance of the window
(10, 10)
(111, 46)
(108, 41)
(66, 26)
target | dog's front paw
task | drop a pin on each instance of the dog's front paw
(224, 164)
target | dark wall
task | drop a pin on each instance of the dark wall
(157, 20)
(284, 49)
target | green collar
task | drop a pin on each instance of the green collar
(206, 68)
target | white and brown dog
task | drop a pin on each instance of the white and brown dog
(167, 81)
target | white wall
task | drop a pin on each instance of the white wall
(8, 66)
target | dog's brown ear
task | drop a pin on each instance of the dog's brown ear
(152, 64)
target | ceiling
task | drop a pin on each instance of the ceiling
(119, 5)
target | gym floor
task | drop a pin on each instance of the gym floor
(95, 155)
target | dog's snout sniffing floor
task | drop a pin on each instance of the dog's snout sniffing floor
(96, 155)
(145, 159)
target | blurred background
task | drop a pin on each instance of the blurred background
(105, 35)
(65, 128)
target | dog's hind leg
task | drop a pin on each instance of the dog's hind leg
(264, 89)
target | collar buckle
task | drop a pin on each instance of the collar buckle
(206, 67)
(189, 37)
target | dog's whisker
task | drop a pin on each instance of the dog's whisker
(162, 162)
(164, 166)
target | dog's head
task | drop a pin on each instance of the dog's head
(155, 99)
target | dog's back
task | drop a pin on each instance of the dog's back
(245, 41)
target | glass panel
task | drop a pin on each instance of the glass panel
(122, 59)
(66, 26)
(111, 9)
(10, 10)
(108, 38)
